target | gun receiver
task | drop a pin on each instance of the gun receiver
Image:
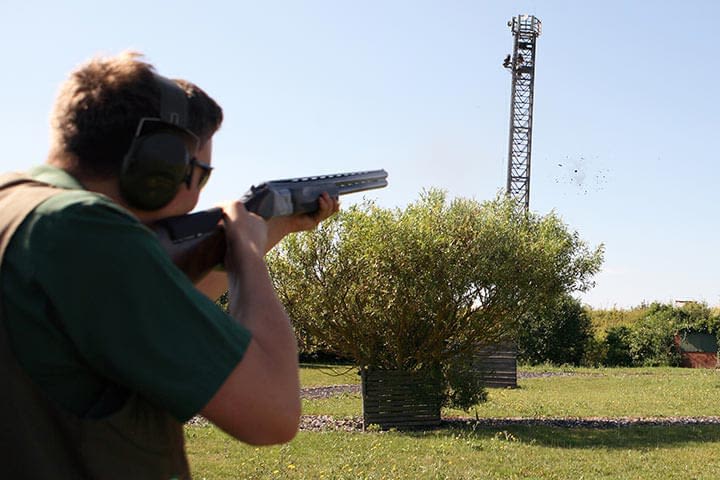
(196, 242)
(299, 195)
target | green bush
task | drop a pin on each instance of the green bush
(644, 335)
(463, 386)
(698, 317)
(559, 333)
(618, 352)
(426, 286)
(652, 339)
(596, 351)
(605, 319)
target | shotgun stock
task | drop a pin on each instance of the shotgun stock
(196, 242)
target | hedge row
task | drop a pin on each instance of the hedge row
(569, 333)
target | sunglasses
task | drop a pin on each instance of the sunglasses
(206, 170)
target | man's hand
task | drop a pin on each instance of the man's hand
(262, 235)
(279, 227)
(245, 228)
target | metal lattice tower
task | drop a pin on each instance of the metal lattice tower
(521, 63)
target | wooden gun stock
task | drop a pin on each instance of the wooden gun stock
(195, 242)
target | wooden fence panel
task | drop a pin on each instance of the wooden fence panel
(395, 399)
(497, 365)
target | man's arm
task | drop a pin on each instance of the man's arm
(259, 403)
(215, 283)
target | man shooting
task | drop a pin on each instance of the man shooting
(106, 347)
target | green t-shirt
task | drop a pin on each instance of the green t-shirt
(94, 305)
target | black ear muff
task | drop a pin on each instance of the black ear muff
(154, 169)
(158, 160)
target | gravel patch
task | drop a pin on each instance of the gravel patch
(198, 421)
(327, 392)
(319, 423)
(584, 422)
(556, 374)
(323, 423)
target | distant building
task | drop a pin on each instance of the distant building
(697, 349)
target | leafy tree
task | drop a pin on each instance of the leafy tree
(618, 347)
(697, 316)
(559, 333)
(596, 351)
(426, 286)
(652, 339)
(603, 320)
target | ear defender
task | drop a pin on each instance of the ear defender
(158, 160)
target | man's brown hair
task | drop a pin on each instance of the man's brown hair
(98, 109)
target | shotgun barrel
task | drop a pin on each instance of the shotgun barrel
(196, 242)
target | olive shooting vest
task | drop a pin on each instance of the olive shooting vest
(39, 439)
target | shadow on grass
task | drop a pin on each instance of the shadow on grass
(611, 437)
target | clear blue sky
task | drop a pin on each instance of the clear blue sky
(624, 116)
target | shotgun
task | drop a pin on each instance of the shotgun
(196, 242)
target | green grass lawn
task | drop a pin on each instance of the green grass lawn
(637, 452)
(658, 392)
(620, 392)
(316, 375)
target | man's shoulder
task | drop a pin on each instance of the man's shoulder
(69, 197)
(73, 220)
(67, 202)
